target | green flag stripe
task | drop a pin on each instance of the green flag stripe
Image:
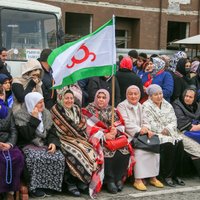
(86, 73)
(64, 47)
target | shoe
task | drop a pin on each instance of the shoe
(156, 183)
(120, 185)
(179, 181)
(169, 182)
(140, 186)
(73, 190)
(83, 187)
(38, 193)
(111, 188)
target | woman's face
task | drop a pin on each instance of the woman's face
(40, 105)
(6, 85)
(149, 67)
(189, 97)
(140, 62)
(101, 100)
(35, 73)
(68, 100)
(157, 98)
(133, 96)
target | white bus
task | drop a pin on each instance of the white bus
(26, 28)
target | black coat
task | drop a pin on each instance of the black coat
(179, 86)
(8, 132)
(28, 132)
(184, 116)
(49, 94)
(127, 78)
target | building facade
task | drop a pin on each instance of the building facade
(140, 24)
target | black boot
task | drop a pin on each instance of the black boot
(196, 163)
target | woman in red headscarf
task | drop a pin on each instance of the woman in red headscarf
(126, 77)
(114, 162)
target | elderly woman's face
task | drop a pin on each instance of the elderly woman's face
(101, 100)
(133, 96)
(40, 105)
(189, 97)
(68, 100)
(157, 98)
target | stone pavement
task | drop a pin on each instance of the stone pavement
(190, 191)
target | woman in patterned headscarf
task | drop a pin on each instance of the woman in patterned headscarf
(100, 129)
(158, 76)
(79, 153)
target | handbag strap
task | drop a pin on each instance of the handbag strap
(8, 166)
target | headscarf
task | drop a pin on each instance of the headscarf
(153, 88)
(133, 87)
(180, 67)
(75, 88)
(73, 112)
(175, 58)
(194, 66)
(106, 100)
(135, 107)
(31, 99)
(159, 64)
(126, 63)
(193, 107)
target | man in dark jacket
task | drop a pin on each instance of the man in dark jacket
(47, 80)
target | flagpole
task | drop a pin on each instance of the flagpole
(113, 79)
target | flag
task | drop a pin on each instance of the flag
(91, 55)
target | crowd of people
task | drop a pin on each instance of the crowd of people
(73, 140)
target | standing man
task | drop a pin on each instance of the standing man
(3, 57)
(47, 80)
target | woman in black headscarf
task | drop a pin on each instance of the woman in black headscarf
(187, 111)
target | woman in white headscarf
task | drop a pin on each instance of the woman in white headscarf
(131, 111)
(37, 138)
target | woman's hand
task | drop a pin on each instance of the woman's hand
(165, 132)
(35, 112)
(195, 127)
(150, 134)
(112, 134)
(143, 130)
(4, 146)
(51, 148)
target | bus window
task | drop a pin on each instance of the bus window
(26, 33)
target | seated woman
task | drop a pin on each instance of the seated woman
(187, 111)
(79, 153)
(131, 111)
(10, 156)
(98, 116)
(159, 117)
(37, 137)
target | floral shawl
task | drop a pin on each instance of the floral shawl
(156, 119)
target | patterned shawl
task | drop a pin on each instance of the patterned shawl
(156, 119)
(96, 127)
(80, 155)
